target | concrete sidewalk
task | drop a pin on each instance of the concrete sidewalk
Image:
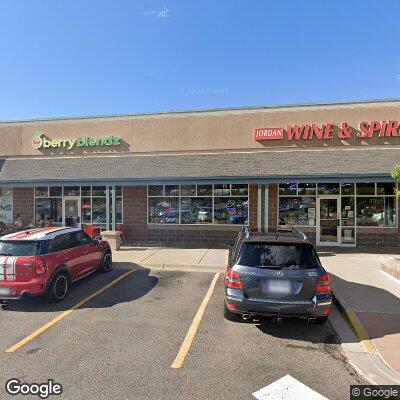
(182, 257)
(368, 296)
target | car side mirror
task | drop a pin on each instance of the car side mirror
(96, 242)
(229, 243)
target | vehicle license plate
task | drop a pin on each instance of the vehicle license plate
(278, 286)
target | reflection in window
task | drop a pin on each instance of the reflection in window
(307, 189)
(45, 208)
(86, 205)
(198, 204)
(230, 210)
(99, 191)
(42, 191)
(297, 210)
(164, 210)
(347, 213)
(99, 213)
(367, 188)
(347, 188)
(386, 189)
(288, 188)
(328, 188)
(196, 210)
(72, 191)
(376, 211)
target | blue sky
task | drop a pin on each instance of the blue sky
(73, 58)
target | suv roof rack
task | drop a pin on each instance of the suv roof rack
(281, 230)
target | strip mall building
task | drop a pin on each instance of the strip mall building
(198, 176)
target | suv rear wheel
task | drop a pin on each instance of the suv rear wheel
(58, 288)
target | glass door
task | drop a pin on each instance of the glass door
(72, 212)
(328, 221)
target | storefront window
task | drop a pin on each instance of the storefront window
(188, 190)
(347, 189)
(93, 200)
(288, 189)
(164, 210)
(41, 191)
(98, 191)
(307, 189)
(45, 208)
(297, 210)
(213, 204)
(72, 191)
(86, 205)
(328, 188)
(5, 191)
(196, 210)
(366, 188)
(99, 213)
(204, 190)
(347, 214)
(230, 210)
(386, 189)
(376, 211)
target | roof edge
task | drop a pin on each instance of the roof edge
(200, 111)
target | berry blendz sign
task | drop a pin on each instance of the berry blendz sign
(366, 129)
(39, 141)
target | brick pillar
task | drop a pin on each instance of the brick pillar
(253, 205)
(272, 207)
(23, 204)
(135, 213)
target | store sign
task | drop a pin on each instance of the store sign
(344, 131)
(6, 209)
(41, 142)
(268, 133)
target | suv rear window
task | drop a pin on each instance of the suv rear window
(282, 255)
(22, 247)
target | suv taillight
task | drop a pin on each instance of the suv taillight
(323, 284)
(40, 267)
(232, 279)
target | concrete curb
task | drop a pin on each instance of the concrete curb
(355, 324)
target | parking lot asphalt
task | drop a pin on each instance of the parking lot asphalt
(121, 344)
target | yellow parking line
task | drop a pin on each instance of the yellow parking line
(65, 314)
(187, 342)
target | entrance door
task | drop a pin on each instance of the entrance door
(328, 221)
(72, 212)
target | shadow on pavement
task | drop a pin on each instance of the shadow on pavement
(130, 288)
(301, 330)
(377, 309)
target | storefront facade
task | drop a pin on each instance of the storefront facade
(199, 176)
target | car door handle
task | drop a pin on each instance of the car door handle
(85, 252)
(67, 258)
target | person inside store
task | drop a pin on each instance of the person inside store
(49, 222)
(18, 222)
(41, 221)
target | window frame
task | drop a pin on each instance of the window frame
(212, 196)
(354, 196)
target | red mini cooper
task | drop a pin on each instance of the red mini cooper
(47, 260)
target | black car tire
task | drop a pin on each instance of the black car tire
(106, 263)
(58, 288)
(230, 316)
(321, 320)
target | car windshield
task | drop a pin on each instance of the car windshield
(283, 256)
(21, 247)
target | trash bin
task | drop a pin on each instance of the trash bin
(113, 238)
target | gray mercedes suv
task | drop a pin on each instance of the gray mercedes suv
(276, 275)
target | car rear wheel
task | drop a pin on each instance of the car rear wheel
(229, 315)
(58, 288)
(106, 263)
(321, 320)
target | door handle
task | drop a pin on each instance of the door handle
(66, 258)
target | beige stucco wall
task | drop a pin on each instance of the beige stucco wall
(196, 131)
